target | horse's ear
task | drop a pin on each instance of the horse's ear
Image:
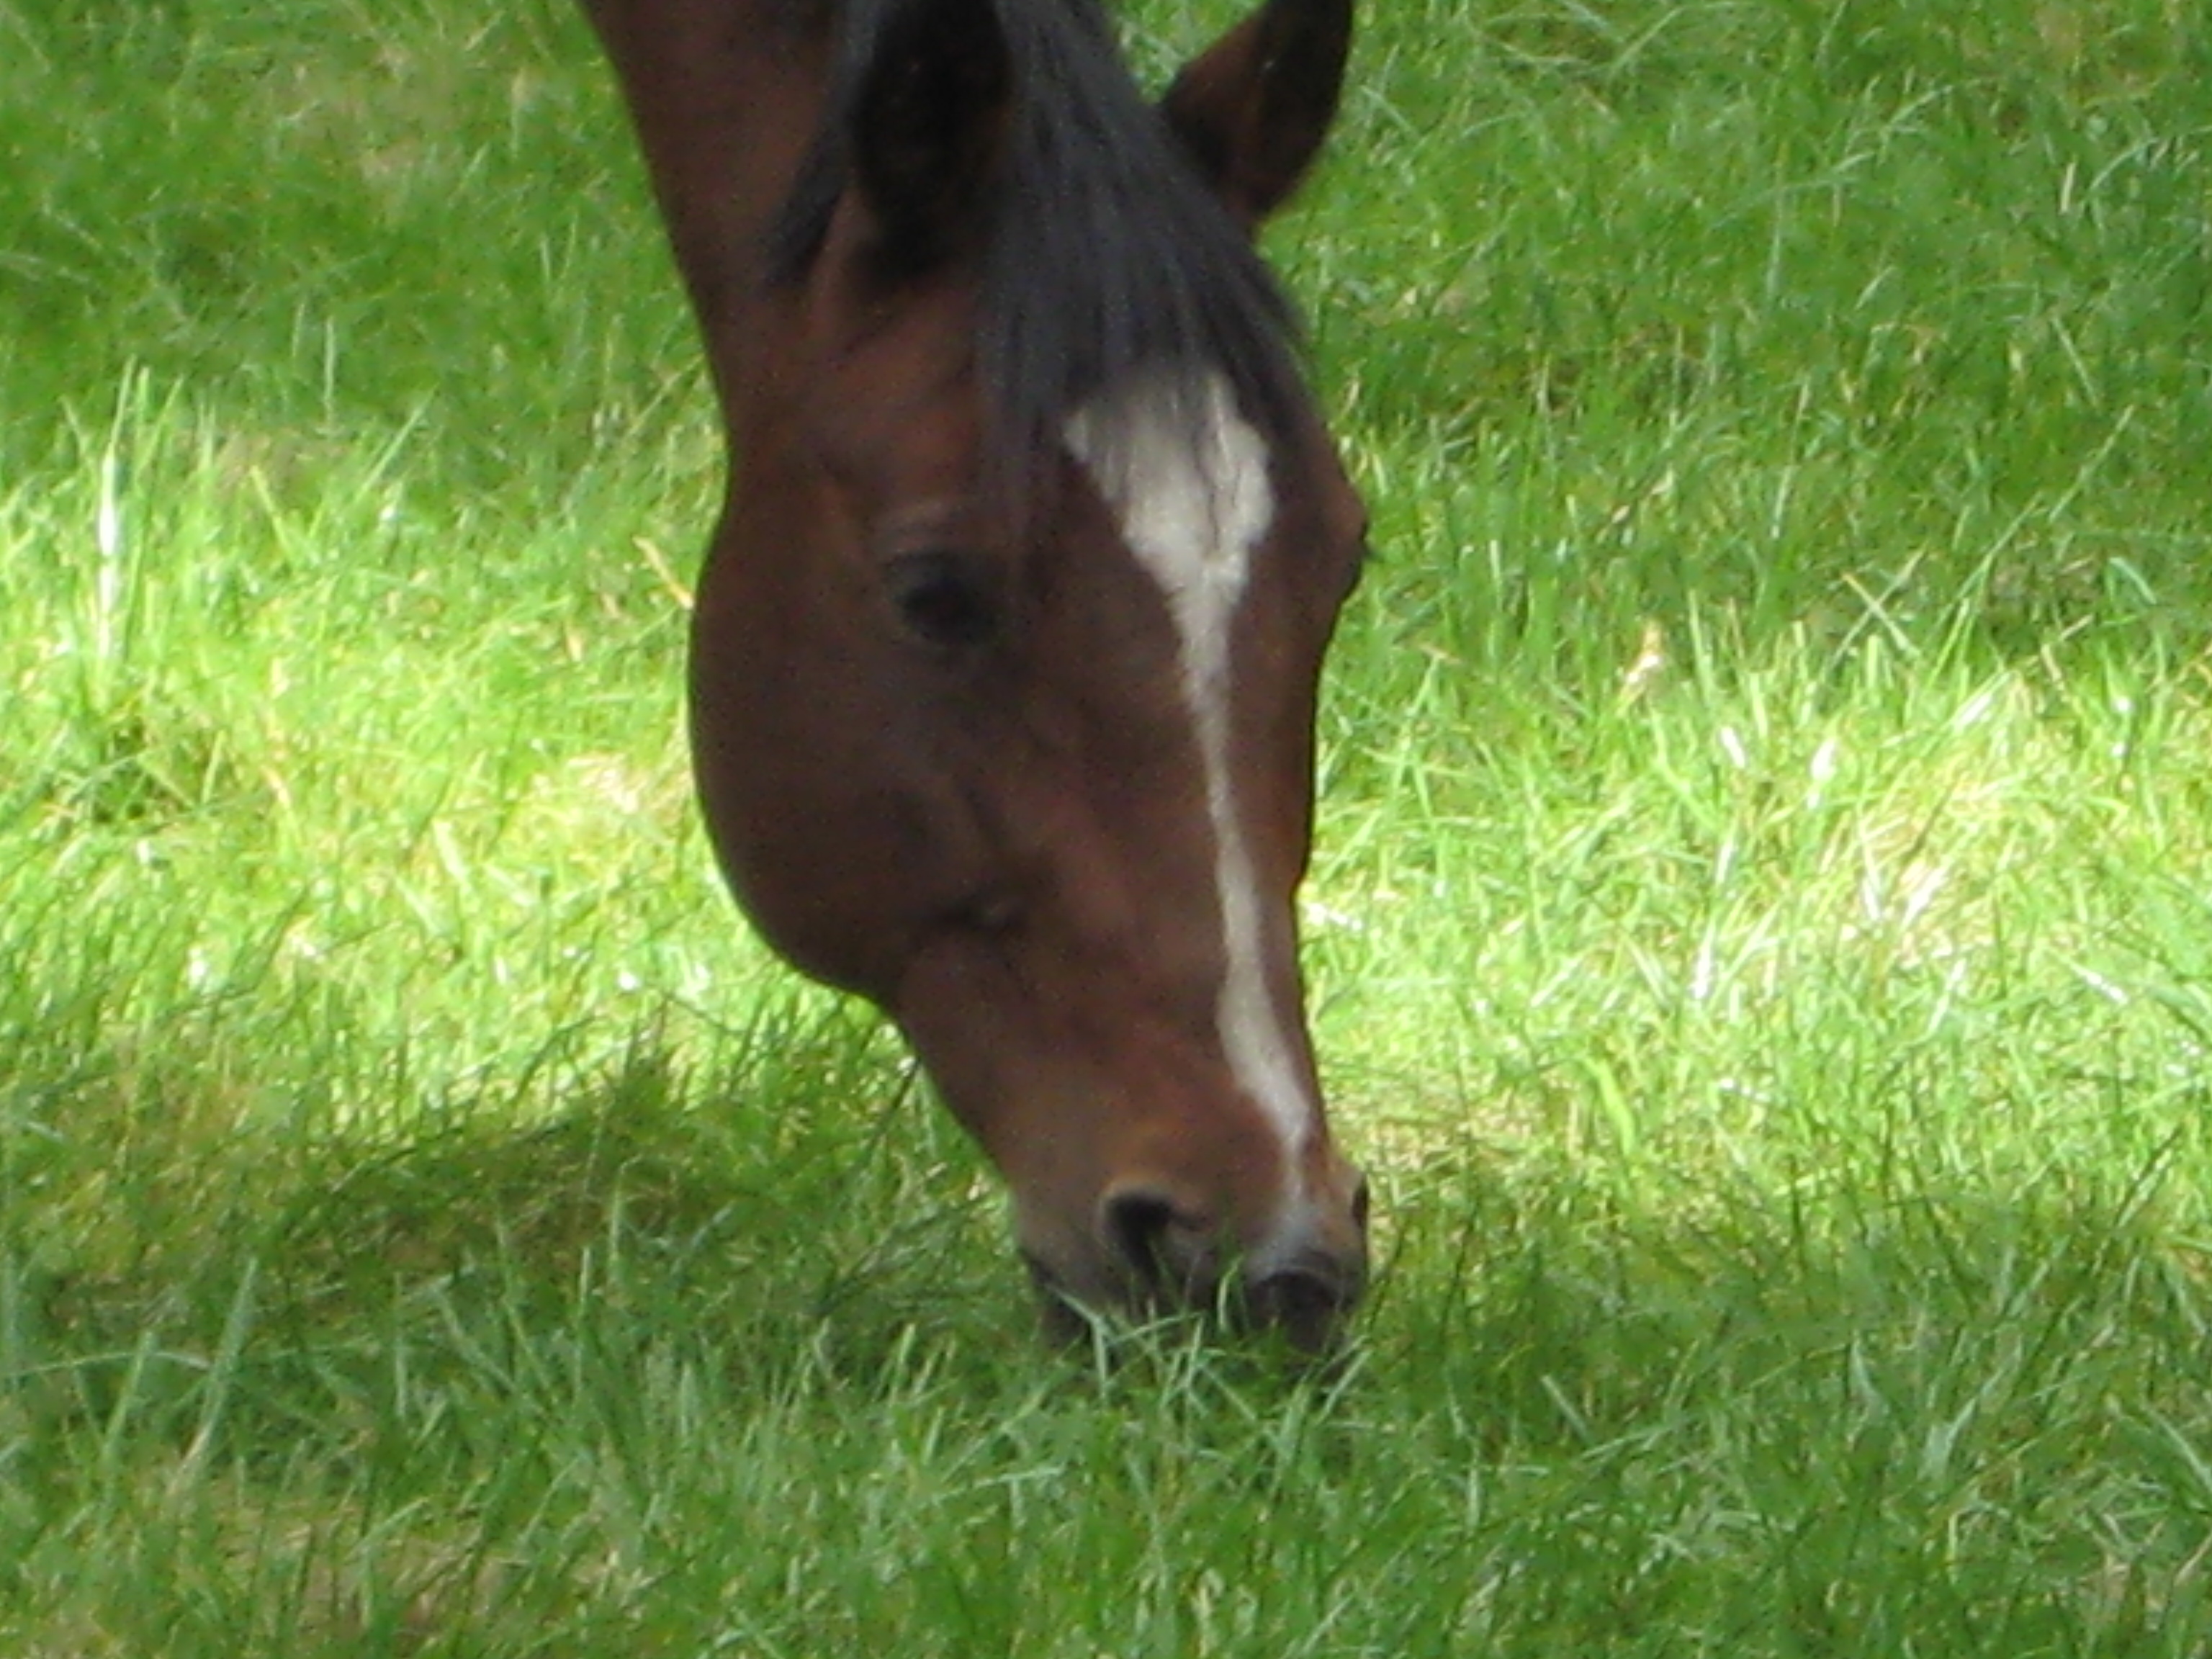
(1254, 107)
(929, 124)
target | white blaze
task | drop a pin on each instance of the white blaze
(1187, 477)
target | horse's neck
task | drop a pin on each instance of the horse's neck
(725, 95)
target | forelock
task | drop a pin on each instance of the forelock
(1105, 257)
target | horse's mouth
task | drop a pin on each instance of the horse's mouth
(1306, 1309)
(1065, 1317)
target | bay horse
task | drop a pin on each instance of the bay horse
(1004, 653)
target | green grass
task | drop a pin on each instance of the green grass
(1761, 932)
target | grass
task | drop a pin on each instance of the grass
(1761, 932)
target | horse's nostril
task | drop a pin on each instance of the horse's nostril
(1155, 1242)
(1307, 1303)
(1168, 1256)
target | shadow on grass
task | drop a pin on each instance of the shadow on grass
(811, 1207)
(671, 1312)
(812, 1221)
(1558, 1321)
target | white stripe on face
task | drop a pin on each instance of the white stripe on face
(1186, 476)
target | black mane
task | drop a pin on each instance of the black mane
(1106, 253)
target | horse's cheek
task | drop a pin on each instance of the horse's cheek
(827, 823)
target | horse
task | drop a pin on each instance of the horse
(1004, 653)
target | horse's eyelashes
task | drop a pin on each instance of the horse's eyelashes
(945, 600)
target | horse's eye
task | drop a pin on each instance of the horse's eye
(945, 600)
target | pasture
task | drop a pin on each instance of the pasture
(1759, 936)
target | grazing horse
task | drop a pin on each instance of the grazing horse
(1003, 658)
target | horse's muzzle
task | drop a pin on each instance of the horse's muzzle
(1309, 1301)
(1159, 1260)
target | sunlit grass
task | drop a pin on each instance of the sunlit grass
(1758, 930)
